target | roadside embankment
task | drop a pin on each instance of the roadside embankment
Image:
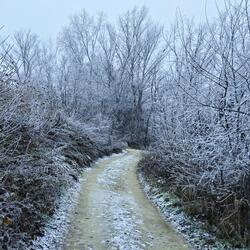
(193, 213)
(35, 176)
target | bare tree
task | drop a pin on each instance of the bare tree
(25, 53)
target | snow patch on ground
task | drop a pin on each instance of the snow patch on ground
(57, 226)
(113, 172)
(123, 217)
(122, 222)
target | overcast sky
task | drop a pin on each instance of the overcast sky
(47, 17)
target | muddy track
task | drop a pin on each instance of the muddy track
(113, 213)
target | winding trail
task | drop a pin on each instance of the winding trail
(113, 212)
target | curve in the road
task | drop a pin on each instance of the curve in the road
(113, 212)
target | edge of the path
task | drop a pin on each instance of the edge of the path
(57, 226)
(169, 206)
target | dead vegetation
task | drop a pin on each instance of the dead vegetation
(222, 204)
(35, 173)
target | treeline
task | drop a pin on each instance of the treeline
(183, 92)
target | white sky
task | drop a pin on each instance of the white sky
(47, 17)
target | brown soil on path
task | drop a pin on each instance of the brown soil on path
(113, 212)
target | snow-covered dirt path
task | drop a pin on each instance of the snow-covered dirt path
(113, 213)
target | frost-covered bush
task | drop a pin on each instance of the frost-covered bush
(201, 121)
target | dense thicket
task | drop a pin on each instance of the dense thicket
(182, 92)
